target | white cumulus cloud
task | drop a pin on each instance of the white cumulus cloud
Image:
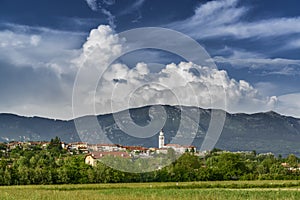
(123, 86)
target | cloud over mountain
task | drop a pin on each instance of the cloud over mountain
(121, 86)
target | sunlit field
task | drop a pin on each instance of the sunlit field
(190, 190)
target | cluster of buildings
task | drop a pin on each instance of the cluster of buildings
(95, 152)
(22, 145)
(76, 147)
(98, 151)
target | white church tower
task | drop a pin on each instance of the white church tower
(161, 139)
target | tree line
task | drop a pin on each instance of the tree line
(55, 166)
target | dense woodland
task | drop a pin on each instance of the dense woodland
(54, 165)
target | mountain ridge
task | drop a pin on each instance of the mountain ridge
(263, 132)
(232, 113)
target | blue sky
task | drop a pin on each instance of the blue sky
(252, 40)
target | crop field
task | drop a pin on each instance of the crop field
(188, 190)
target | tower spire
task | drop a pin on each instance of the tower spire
(161, 139)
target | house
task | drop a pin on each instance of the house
(180, 148)
(64, 145)
(45, 144)
(91, 159)
(136, 149)
(161, 150)
(106, 147)
(78, 146)
(34, 143)
(14, 144)
(285, 165)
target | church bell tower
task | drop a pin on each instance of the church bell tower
(161, 139)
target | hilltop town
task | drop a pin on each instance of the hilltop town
(95, 152)
(57, 162)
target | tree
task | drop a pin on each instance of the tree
(278, 171)
(7, 179)
(230, 165)
(55, 146)
(292, 160)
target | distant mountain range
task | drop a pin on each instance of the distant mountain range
(263, 132)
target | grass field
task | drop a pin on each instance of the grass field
(192, 190)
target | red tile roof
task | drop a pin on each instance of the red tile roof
(138, 148)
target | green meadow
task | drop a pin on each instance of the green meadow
(182, 190)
